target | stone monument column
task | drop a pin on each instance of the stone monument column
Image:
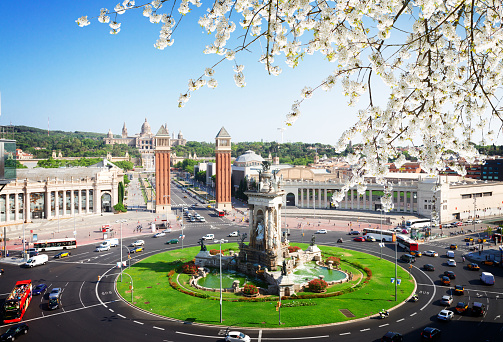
(223, 170)
(162, 172)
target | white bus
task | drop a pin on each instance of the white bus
(386, 235)
(417, 223)
(55, 244)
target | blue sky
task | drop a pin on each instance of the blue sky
(88, 80)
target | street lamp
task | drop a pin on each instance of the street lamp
(121, 263)
(220, 243)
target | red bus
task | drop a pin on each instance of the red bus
(407, 243)
(17, 302)
(220, 213)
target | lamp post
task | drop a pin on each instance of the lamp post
(220, 243)
(396, 269)
(74, 225)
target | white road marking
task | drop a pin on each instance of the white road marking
(413, 314)
(157, 328)
(348, 333)
(401, 319)
(111, 310)
(293, 338)
(141, 323)
(365, 329)
(383, 325)
(121, 316)
(259, 335)
(80, 294)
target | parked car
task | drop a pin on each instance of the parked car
(172, 242)
(156, 235)
(136, 249)
(451, 263)
(450, 274)
(445, 315)
(359, 239)
(488, 262)
(236, 336)
(39, 289)
(461, 307)
(429, 267)
(62, 254)
(430, 334)
(392, 336)
(55, 293)
(53, 304)
(138, 243)
(473, 266)
(234, 234)
(446, 300)
(459, 290)
(15, 331)
(431, 253)
(321, 231)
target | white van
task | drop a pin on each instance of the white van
(487, 278)
(37, 260)
(114, 242)
(450, 254)
(209, 237)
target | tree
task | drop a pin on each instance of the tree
(440, 61)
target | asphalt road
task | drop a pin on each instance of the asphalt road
(91, 310)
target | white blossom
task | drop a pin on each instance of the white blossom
(82, 21)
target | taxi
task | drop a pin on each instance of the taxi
(459, 290)
(445, 280)
(136, 249)
(473, 266)
(468, 239)
(62, 255)
(480, 240)
(461, 307)
(415, 253)
(453, 246)
(488, 262)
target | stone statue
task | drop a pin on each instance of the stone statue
(260, 231)
(313, 240)
(243, 237)
(203, 246)
(283, 269)
(266, 166)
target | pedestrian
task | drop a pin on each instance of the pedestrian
(463, 259)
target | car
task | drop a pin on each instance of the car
(31, 252)
(202, 219)
(39, 289)
(233, 234)
(168, 230)
(15, 331)
(102, 248)
(62, 254)
(458, 223)
(430, 334)
(236, 336)
(488, 262)
(473, 266)
(429, 267)
(193, 205)
(55, 293)
(370, 239)
(354, 232)
(136, 249)
(156, 235)
(172, 242)
(359, 239)
(445, 280)
(53, 304)
(321, 231)
(392, 336)
(478, 309)
(459, 290)
(481, 240)
(445, 315)
(451, 262)
(450, 274)
(469, 221)
(208, 237)
(415, 253)
(138, 243)
(477, 221)
(446, 300)
(431, 253)
(192, 219)
(468, 239)
(184, 196)
(461, 307)
(208, 206)
(453, 246)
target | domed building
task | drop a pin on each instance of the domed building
(144, 142)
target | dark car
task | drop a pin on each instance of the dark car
(354, 232)
(62, 255)
(478, 309)
(430, 334)
(453, 246)
(172, 241)
(53, 304)
(429, 267)
(450, 274)
(39, 289)
(15, 331)
(392, 337)
(473, 266)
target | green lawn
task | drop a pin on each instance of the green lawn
(153, 293)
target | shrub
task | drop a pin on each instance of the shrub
(292, 249)
(317, 285)
(189, 268)
(250, 290)
(336, 260)
(216, 251)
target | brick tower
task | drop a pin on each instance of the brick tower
(162, 172)
(223, 171)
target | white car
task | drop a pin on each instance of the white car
(321, 231)
(451, 262)
(233, 234)
(55, 293)
(102, 248)
(236, 336)
(202, 219)
(156, 235)
(478, 221)
(138, 243)
(167, 230)
(370, 238)
(208, 237)
(445, 315)
(446, 300)
(431, 253)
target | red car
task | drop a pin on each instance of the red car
(359, 239)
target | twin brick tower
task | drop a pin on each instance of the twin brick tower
(163, 174)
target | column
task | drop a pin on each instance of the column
(27, 206)
(80, 202)
(7, 211)
(346, 200)
(365, 201)
(87, 201)
(302, 198)
(97, 200)
(56, 203)
(326, 202)
(372, 206)
(319, 197)
(72, 202)
(64, 202)
(16, 207)
(308, 194)
(352, 199)
(47, 204)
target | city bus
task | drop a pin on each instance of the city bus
(386, 235)
(407, 243)
(220, 213)
(17, 302)
(55, 244)
(417, 223)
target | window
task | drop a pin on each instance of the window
(425, 206)
(466, 196)
(445, 207)
(486, 194)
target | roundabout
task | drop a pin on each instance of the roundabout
(161, 288)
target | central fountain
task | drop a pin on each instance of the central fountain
(267, 254)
